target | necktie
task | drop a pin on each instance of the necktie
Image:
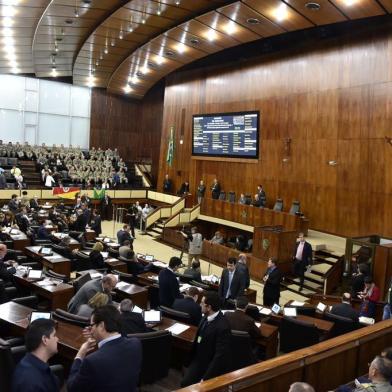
(230, 280)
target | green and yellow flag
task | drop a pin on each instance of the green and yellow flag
(170, 147)
(99, 193)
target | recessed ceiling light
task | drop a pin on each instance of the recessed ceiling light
(211, 35)
(181, 48)
(151, 64)
(313, 6)
(121, 34)
(106, 50)
(252, 21)
(349, 3)
(139, 74)
(7, 21)
(69, 21)
(281, 13)
(194, 41)
(169, 53)
(87, 2)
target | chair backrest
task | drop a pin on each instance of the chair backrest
(296, 334)
(248, 199)
(222, 195)
(113, 252)
(156, 355)
(198, 284)
(241, 346)
(278, 205)
(7, 366)
(79, 282)
(295, 207)
(341, 324)
(55, 275)
(175, 314)
(306, 310)
(31, 301)
(62, 315)
(129, 278)
(232, 197)
(62, 250)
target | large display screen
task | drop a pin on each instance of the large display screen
(226, 135)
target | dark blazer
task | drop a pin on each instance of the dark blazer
(123, 235)
(237, 284)
(113, 367)
(215, 190)
(243, 268)
(42, 233)
(167, 185)
(211, 354)
(3, 181)
(306, 254)
(34, 204)
(357, 285)
(345, 310)
(240, 321)
(80, 223)
(188, 305)
(169, 288)
(96, 224)
(6, 272)
(31, 375)
(132, 322)
(272, 285)
(194, 273)
(184, 188)
(96, 259)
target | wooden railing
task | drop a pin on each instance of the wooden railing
(185, 217)
(324, 366)
(164, 212)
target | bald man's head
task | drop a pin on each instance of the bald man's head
(3, 250)
(301, 387)
(109, 282)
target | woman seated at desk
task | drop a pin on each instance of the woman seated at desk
(96, 258)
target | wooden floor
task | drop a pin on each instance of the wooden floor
(147, 244)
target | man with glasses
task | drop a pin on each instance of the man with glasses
(115, 365)
(211, 354)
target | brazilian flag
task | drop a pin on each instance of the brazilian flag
(99, 194)
(170, 147)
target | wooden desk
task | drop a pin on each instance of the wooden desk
(19, 239)
(58, 295)
(73, 244)
(138, 294)
(90, 235)
(16, 318)
(115, 264)
(269, 339)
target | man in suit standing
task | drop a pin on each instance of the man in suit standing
(240, 321)
(124, 235)
(33, 373)
(345, 309)
(271, 279)
(169, 288)
(89, 289)
(131, 322)
(115, 366)
(232, 282)
(303, 256)
(189, 305)
(243, 268)
(215, 189)
(184, 189)
(167, 184)
(106, 208)
(96, 223)
(210, 354)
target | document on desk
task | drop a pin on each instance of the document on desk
(96, 275)
(55, 257)
(159, 264)
(121, 285)
(297, 303)
(265, 311)
(184, 287)
(177, 328)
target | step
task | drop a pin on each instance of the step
(310, 284)
(321, 268)
(288, 295)
(296, 287)
(315, 277)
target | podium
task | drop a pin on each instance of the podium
(274, 241)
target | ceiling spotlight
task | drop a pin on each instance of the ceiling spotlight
(133, 79)
(349, 3)
(143, 20)
(106, 50)
(194, 41)
(169, 53)
(76, 13)
(230, 28)
(159, 60)
(211, 35)
(15, 70)
(281, 13)
(97, 63)
(56, 48)
(181, 48)
(7, 21)
(121, 34)
(178, 2)
(112, 42)
(69, 21)
(313, 6)
(101, 56)
(127, 89)
(252, 21)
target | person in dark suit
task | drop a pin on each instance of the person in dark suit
(169, 288)
(13, 204)
(33, 372)
(132, 215)
(22, 220)
(95, 223)
(210, 354)
(271, 279)
(358, 280)
(303, 256)
(34, 203)
(345, 309)
(262, 195)
(115, 366)
(80, 222)
(86, 214)
(243, 268)
(167, 184)
(215, 189)
(232, 282)
(106, 208)
(131, 322)
(240, 321)
(184, 189)
(7, 265)
(189, 305)
(89, 289)
(124, 235)
(95, 256)
(194, 271)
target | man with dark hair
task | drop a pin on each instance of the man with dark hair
(189, 305)
(271, 279)
(301, 387)
(243, 268)
(240, 321)
(194, 271)
(131, 322)
(303, 257)
(232, 283)
(169, 288)
(32, 373)
(167, 184)
(89, 289)
(13, 204)
(7, 265)
(124, 235)
(345, 309)
(95, 223)
(195, 242)
(211, 354)
(115, 366)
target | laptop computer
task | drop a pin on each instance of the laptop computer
(39, 315)
(34, 274)
(149, 258)
(152, 316)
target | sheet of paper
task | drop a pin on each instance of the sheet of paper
(96, 275)
(266, 311)
(105, 254)
(290, 312)
(258, 325)
(297, 303)
(177, 328)
(159, 264)
(121, 285)
(136, 309)
(366, 320)
(55, 257)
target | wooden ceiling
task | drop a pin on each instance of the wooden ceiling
(127, 46)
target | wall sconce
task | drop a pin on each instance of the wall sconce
(285, 160)
(181, 141)
(332, 163)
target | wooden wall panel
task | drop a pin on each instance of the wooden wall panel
(335, 104)
(131, 126)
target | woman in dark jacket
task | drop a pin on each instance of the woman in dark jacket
(96, 258)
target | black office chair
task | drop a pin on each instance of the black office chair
(114, 253)
(232, 197)
(175, 314)
(31, 301)
(199, 284)
(222, 195)
(156, 355)
(305, 310)
(241, 346)
(129, 278)
(184, 278)
(295, 207)
(62, 315)
(341, 324)
(79, 282)
(296, 334)
(278, 205)
(248, 199)
(82, 261)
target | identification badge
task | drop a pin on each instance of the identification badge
(198, 339)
